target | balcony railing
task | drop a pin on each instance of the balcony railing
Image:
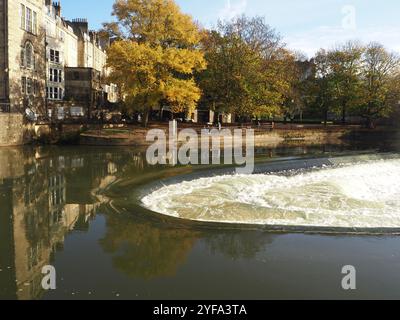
(5, 107)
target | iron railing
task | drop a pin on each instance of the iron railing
(5, 107)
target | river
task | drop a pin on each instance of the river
(64, 206)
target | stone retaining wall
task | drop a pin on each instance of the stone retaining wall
(13, 131)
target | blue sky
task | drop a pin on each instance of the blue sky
(305, 25)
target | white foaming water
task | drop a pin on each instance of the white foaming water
(361, 195)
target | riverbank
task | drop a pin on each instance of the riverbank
(15, 131)
(282, 135)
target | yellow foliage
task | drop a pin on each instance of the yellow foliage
(156, 56)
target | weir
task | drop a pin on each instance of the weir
(347, 193)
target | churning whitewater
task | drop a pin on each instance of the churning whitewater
(360, 195)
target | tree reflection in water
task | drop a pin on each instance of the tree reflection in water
(142, 250)
(150, 250)
(238, 245)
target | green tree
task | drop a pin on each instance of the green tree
(345, 67)
(381, 86)
(245, 74)
(322, 89)
(155, 56)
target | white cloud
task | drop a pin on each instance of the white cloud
(232, 9)
(327, 37)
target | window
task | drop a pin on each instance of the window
(23, 85)
(29, 60)
(34, 23)
(36, 87)
(55, 75)
(54, 56)
(29, 86)
(23, 57)
(54, 93)
(29, 19)
(28, 23)
(22, 16)
(57, 56)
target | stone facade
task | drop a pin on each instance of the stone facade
(36, 45)
(13, 132)
(85, 84)
(84, 89)
(72, 49)
(22, 56)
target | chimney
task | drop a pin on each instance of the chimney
(57, 7)
(81, 24)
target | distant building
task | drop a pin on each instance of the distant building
(76, 60)
(85, 83)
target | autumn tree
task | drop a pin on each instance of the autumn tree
(322, 87)
(246, 63)
(155, 55)
(345, 64)
(381, 86)
(230, 81)
(298, 72)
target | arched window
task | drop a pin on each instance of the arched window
(29, 59)
(23, 57)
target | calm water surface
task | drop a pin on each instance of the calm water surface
(57, 208)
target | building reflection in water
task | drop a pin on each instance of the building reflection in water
(44, 194)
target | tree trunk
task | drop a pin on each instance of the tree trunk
(344, 115)
(146, 118)
(326, 118)
(370, 123)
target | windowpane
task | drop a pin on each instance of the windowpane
(23, 85)
(29, 60)
(23, 57)
(34, 23)
(22, 16)
(29, 86)
(55, 75)
(36, 87)
(28, 22)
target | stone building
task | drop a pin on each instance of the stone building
(76, 67)
(22, 56)
(61, 50)
(85, 84)
(37, 46)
